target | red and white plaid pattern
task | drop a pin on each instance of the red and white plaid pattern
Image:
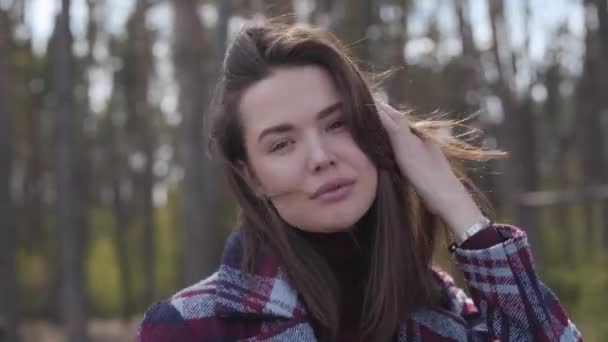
(509, 303)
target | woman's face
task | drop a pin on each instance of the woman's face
(300, 152)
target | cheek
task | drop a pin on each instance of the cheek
(359, 160)
(279, 175)
(369, 175)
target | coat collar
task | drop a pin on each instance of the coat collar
(267, 292)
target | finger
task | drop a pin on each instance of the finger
(393, 113)
(404, 124)
(400, 121)
(386, 120)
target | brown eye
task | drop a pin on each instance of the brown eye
(280, 145)
(335, 125)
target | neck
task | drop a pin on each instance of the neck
(345, 249)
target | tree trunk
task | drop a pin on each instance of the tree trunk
(591, 102)
(9, 315)
(552, 113)
(141, 67)
(69, 222)
(149, 240)
(33, 225)
(585, 109)
(394, 38)
(280, 9)
(350, 19)
(602, 17)
(469, 49)
(473, 81)
(121, 221)
(519, 131)
(122, 256)
(320, 13)
(200, 186)
(223, 18)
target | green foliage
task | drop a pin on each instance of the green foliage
(104, 283)
(168, 245)
(582, 290)
(102, 267)
(34, 275)
(576, 271)
(37, 270)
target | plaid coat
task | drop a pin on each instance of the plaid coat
(509, 303)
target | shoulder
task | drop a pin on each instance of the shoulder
(182, 317)
(162, 322)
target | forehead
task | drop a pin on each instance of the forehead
(288, 95)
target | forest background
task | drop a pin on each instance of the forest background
(108, 202)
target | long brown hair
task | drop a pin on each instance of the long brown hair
(403, 232)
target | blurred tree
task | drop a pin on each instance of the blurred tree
(29, 77)
(469, 62)
(112, 146)
(394, 38)
(193, 59)
(280, 8)
(350, 20)
(82, 105)
(33, 90)
(121, 206)
(471, 92)
(70, 211)
(518, 128)
(137, 71)
(320, 13)
(552, 114)
(469, 48)
(9, 313)
(224, 9)
(602, 114)
(590, 102)
(118, 140)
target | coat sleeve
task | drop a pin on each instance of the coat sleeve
(511, 298)
(162, 322)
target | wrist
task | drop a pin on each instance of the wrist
(473, 229)
(460, 221)
(478, 236)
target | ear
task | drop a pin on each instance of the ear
(251, 178)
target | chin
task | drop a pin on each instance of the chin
(325, 227)
(336, 229)
(329, 219)
(339, 220)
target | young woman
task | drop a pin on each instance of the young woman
(341, 197)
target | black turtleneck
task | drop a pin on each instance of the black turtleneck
(346, 254)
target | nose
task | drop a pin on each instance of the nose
(320, 156)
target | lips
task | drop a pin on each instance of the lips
(332, 186)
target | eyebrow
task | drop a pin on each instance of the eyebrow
(282, 128)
